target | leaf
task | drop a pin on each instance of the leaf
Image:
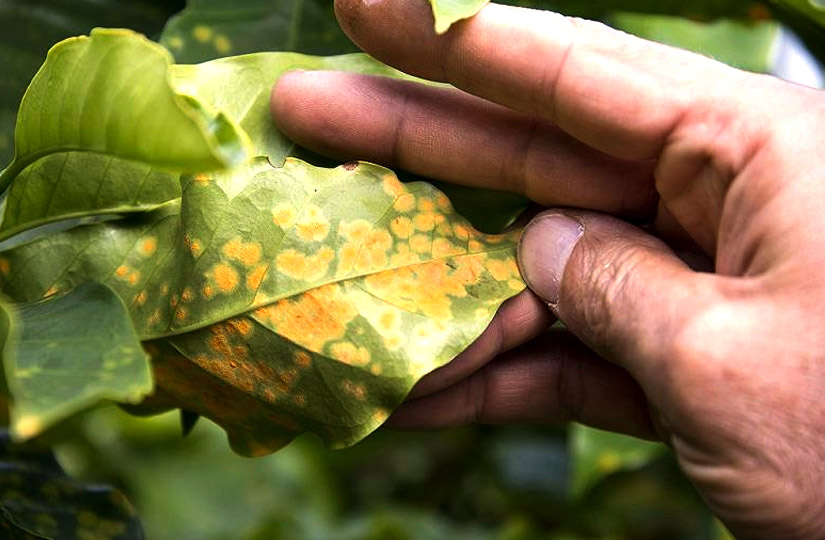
(598, 454)
(38, 500)
(109, 94)
(209, 29)
(240, 88)
(447, 12)
(73, 351)
(292, 304)
(741, 44)
(30, 27)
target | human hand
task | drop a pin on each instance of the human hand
(728, 368)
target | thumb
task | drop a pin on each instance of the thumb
(621, 291)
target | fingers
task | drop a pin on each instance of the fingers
(619, 94)
(552, 380)
(519, 320)
(452, 136)
(623, 292)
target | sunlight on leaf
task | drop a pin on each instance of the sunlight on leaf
(72, 352)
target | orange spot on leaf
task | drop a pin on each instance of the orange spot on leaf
(226, 277)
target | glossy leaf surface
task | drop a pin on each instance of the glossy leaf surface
(109, 94)
(209, 29)
(71, 352)
(291, 304)
(39, 501)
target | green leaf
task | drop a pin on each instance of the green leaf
(109, 94)
(30, 27)
(209, 29)
(741, 44)
(598, 454)
(39, 501)
(277, 301)
(73, 351)
(71, 185)
(447, 12)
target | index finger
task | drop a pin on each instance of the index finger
(617, 93)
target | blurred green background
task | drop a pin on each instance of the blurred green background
(479, 482)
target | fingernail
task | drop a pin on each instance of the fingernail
(546, 246)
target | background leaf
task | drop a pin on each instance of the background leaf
(746, 45)
(72, 352)
(598, 454)
(38, 500)
(209, 29)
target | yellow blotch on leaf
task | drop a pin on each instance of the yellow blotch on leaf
(122, 271)
(297, 265)
(222, 44)
(202, 179)
(357, 230)
(401, 227)
(313, 226)
(312, 320)
(134, 277)
(256, 277)
(176, 43)
(141, 297)
(424, 222)
(350, 354)
(500, 270)
(303, 359)
(392, 186)
(424, 288)
(426, 205)
(148, 246)
(5, 266)
(420, 243)
(241, 326)
(356, 390)
(444, 248)
(283, 215)
(248, 253)
(180, 314)
(226, 277)
(404, 203)
(202, 33)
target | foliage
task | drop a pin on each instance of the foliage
(243, 284)
(38, 500)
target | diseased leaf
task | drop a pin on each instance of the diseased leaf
(598, 454)
(209, 29)
(73, 351)
(292, 304)
(39, 501)
(109, 94)
(447, 12)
